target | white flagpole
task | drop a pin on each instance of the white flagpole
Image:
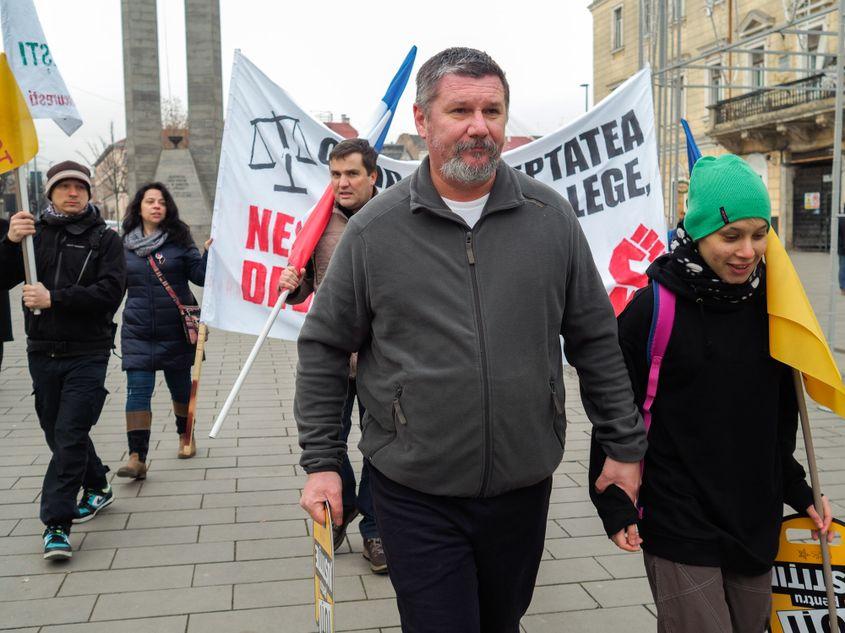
(28, 244)
(221, 417)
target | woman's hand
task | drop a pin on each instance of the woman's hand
(208, 243)
(628, 539)
(823, 524)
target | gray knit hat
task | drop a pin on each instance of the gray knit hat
(66, 170)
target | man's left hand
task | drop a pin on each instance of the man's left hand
(36, 297)
(625, 475)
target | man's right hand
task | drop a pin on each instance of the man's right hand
(290, 280)
(21, 225)
(319, 488)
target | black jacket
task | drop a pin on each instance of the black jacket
(720, 463)
(82, 266)
(5, 310)
(152, 337)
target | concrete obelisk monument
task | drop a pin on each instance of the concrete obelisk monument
(190, 173)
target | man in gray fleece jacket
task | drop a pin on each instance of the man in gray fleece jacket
(453, 287)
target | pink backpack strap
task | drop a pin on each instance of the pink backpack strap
(662, 321)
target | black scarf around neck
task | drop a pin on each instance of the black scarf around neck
(685, 261)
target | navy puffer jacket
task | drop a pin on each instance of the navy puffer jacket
(152, 337)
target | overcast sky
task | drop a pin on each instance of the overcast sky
(328, 55)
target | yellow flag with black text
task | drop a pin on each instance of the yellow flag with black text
(18, 141)
(795, 337)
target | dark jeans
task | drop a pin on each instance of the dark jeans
(461, 565)
(140, 385)
(363, 500)
(69, 397)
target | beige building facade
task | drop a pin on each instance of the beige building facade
(754, 77)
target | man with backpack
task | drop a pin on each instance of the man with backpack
(70, 334)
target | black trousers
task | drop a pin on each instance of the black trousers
(461, 565)
(69, 397)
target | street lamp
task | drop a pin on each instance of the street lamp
(586, 88)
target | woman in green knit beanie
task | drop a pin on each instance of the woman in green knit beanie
(720, 463)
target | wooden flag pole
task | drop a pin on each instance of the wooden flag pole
(195, 380)
(28, 244)
(817, 495)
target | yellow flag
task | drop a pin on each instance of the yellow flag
(795, 337)
(18, 142)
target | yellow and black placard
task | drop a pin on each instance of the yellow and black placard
(799, 596)
(324, 574)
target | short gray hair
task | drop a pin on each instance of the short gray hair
(467, 62)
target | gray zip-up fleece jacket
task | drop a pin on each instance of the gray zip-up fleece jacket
(456, 329)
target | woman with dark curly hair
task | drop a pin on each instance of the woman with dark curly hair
(159, 249)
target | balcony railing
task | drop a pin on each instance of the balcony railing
(786, 95)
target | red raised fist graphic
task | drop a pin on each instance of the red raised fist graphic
(644, 244)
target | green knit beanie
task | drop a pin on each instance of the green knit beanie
(722, 190)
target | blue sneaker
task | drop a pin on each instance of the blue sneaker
(92, 502)
(57, 543)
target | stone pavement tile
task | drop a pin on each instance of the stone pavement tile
(282, 470)
(291, 592)
(244, 572)
(553, 530)
(21, 545)
(120, 580)
(20, 470)
(7, 525)
(18, 511)
(29, 588)
(171, 624)
(6, 483)
(251, 531)
(137, 604)
(173, 488)
(576, 547)
(568, 494)
(273, 548)
(141, 538)
(574, 509)
(627, 619)
(47, 611)
(286, 512)
(370, 614)
(144, 504)
(107, 520)
(270, 483)
(585, 526)
(377, 586)
(26, 564)
(190, 553)
(238, 451)
(273, 497)
(298, 619)
(176, 518)
(623, 565)
(620, 593)
(555, 572)
(169, 476)
(278, 460)
(190, 464)
(553, 598)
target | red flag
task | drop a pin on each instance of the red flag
(311, 232)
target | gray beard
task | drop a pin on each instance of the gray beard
(456, 170)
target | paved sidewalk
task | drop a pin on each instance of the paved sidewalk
(218, 543)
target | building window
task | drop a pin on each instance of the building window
(676, 10)
(816, 46)
(757, 60)
(617, 41)
(645, 8)
(716, 81)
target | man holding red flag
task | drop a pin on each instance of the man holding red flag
(454, 287)
(352, 165)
